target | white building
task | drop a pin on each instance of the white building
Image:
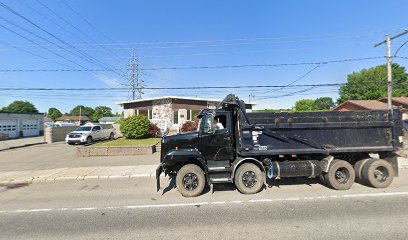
(14, 125)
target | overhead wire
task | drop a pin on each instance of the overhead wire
(84, 56)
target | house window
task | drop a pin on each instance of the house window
(144, 112)
(194, 113)
(175, 117)
(189, 114)
(149, 112)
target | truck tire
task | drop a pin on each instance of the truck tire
(89, 140)
(378, 173)
(340, 176)
(249, 179)
(111, 136)
(190, 180)
(358, 168)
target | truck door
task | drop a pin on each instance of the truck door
(217, 144)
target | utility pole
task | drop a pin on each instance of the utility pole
(389, 66)
(80, 113)
(134, 81)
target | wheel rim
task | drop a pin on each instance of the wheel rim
(190, 181)
(249, 179)
(342, 175)
(381, 174)
(89, 140)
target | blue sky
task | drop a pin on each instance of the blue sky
(187, 33)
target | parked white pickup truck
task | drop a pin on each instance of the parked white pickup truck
(88, 133)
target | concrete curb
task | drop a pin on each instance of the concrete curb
(22, 146)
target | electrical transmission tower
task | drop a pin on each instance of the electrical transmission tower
(134, 82)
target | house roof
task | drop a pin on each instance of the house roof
(365, 104)
(172, 97)
(108, 119)
(400, 100)
(72, 118)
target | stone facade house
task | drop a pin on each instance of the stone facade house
(169, 112)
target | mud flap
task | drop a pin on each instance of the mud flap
(159, 170)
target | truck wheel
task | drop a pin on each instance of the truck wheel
(341, 175)
(89, 140)
(358, 168)
(249, 179)
(111, 136)
(378, 173)
(190, 180)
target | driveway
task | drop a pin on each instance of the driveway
(61, 155)
(20, 142)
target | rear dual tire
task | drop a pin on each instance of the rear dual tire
(340, 176)
(376, 173)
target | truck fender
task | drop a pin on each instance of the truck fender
(241, 161)
(325, 163)
(175, 157)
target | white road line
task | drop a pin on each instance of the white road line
(175, 205)
(262, 200)
(374, 194)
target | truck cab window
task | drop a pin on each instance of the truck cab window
(220, 122)
(207, 124)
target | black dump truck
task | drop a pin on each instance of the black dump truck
(249, 147)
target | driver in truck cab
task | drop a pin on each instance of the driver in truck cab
(217, 124)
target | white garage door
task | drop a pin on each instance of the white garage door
(9, 127)
(30, 128)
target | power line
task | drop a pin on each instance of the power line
(170, 88)
(73, 26)
(86, 21)
(295, 38)
(197, 67)
(298, 79)
(84, 55)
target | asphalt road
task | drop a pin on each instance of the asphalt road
(131, 209)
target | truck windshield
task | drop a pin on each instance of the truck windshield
(84, 129)
(205, 124)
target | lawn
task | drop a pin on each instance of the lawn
(130, 142)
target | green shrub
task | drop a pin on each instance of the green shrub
(135, 127)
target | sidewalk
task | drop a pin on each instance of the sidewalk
(79, 173)
(20, 142)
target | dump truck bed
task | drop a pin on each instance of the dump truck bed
(321, 133)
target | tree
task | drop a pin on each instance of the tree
(323, 103)
(135, 127)
(304, 105)
(85, 111)
(20, 107)
(101, 111)
(371, 84)
(54, 113)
